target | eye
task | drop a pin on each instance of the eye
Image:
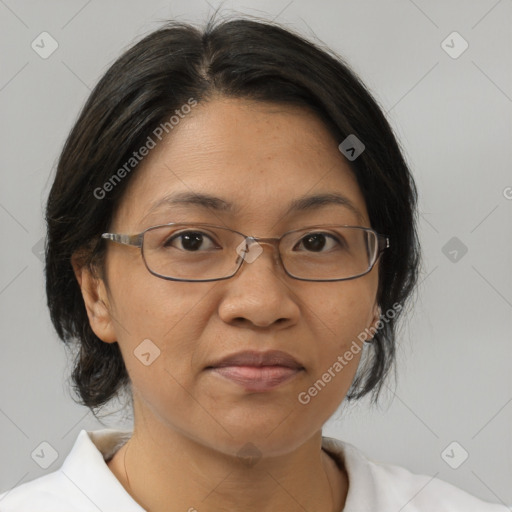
(316, 242)
(191, 241)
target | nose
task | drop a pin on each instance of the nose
(260, 293)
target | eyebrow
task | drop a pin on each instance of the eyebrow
(209, 202)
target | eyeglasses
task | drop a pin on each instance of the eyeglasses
(204, 252)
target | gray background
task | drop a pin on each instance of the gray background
(453, 117)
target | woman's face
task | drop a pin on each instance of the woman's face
(259, 158)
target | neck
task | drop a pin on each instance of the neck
(172, 472)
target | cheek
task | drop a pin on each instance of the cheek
(337, 319)
(157, 322)
(343, 311)
(146, 306)
(162, 323)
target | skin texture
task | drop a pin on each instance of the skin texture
(190, 423)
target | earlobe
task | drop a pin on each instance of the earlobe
(374, 327)
(96, 302)
(376, 315)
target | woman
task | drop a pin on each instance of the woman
(231, 239)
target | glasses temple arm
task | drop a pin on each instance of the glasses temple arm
(135, 240)
(383, 243)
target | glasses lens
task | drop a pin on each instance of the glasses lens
(329, 252)
(191, 252)
(197, 252)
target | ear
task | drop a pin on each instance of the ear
(96, 300)
(375, 317)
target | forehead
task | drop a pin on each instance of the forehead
(260, 160)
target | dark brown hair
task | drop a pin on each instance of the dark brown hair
(240, 58)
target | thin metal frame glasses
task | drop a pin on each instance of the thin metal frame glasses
(355, 252)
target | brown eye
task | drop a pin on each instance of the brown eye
(316, 242)
(191, 241)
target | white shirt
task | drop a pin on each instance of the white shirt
(84, 483)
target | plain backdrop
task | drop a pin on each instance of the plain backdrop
(452, 113)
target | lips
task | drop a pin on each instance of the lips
(259, 359)
(257, 371)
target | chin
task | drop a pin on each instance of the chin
(257, 439)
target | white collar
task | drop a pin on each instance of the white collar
(86, 468)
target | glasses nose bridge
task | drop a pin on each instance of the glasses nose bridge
(272, 241)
